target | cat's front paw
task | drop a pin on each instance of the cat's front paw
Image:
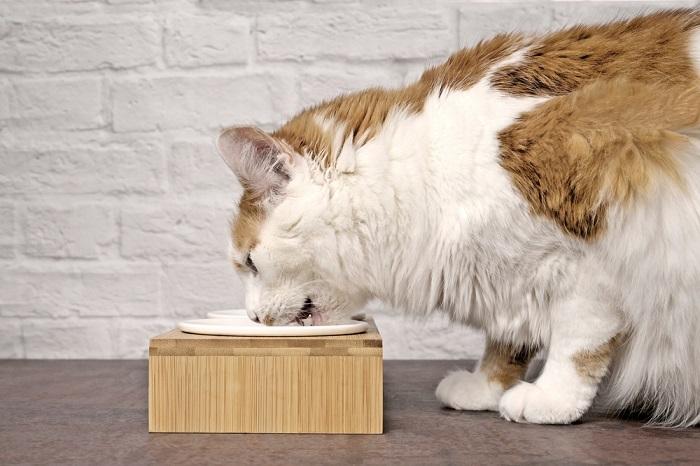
(527, 402)
(469, 391)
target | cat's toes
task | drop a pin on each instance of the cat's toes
(527, 402)
(468, 391)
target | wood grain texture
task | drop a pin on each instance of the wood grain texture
(321, 394)
(201, 383)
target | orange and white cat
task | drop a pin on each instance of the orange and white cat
(543, 189)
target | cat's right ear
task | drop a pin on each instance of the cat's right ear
(256, 158)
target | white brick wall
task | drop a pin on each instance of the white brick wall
(63, 103)
(113, 205)
(76, 43)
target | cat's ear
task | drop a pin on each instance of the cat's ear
(256, 158)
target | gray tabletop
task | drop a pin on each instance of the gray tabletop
(95, 412)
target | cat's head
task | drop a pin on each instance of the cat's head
(284, 240)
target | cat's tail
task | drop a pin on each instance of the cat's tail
(655, 247)
(656, 375)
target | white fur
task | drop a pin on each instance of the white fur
(469, 391)
(652, 254)
(423, 216)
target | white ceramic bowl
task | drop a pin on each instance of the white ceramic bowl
(244, 327)
(227, 313)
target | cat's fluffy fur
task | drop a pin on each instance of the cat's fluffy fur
(545, 190)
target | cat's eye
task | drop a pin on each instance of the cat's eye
(249, 263)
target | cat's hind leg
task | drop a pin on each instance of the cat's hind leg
(585, 331)
(501, 366)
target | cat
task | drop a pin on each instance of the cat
(545, 190)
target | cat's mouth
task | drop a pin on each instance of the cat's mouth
(309, 314)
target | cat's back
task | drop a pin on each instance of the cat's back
(659, 48)
(619, 115)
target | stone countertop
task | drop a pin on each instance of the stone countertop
(95, 412)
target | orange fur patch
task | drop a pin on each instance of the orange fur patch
(574, 155)
(505, 364)
(246, 225)
(625, 90)
(592, 365)
(650, 49)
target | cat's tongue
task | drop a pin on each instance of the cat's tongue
(317, 318)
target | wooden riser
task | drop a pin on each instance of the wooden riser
(327, 384)
(304, 394)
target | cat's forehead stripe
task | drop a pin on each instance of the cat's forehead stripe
(247, 222)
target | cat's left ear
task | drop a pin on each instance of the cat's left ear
(256, 158)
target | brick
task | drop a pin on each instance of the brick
(85, 44)
(195, 166)
(7, 231)
(120, 2)
(192, 290)
(426, 337)
(25, 293)
(40, 9)
(199, 41)
(135, 168)
(322, 85)
(360, 33)
(82, 231)
(71, 338)
(11, 345)
(57, 104)
(121, 292)
(7, 222)
(201, 102)
(132, 336)
(7, 251)
(167, 232)
(5, 90)
(254, 7)
(81, 291)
